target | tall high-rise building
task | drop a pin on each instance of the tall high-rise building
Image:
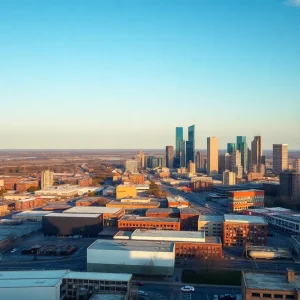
(296, 165)
(236, 164)
(227, 163)
(231, 147)
(131, 165)
(190, 144)
(290, 185)
(140, 157)
(280, 158)
(46, 179)
(256, 151)
(191, 167)
(229, 178)
(221, 163)
(170, 156)
(242, 146)
(179, 137)
(212, 155)
(200, 162)
(182, 160)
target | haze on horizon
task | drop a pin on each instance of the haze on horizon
(123, 74)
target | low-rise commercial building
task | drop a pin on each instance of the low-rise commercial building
(238, 230)
(59, 191)
(125, 191)
(62, 284)
(187, 244)
(177, 201)
(189, 218)
(242, 200)
(135, 207)
(266, 286)
(61, 224)
(27, 204)
(132, 222)
(163, 213)
(136, 257)
(30, 215)
(211, 225)
(110, 215)
(3, 208)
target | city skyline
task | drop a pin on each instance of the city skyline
(92, 75)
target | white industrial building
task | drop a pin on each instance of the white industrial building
(30, 215)
(92, 210)
(62, 284)
(162, 235)
(136, 257)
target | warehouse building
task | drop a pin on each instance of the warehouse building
(245, 199)
(263, 286)
(177, 201)
(63, 284)
(163, 213)
(211, 225)
(187, 244)
(136, 257)
(132, 222)
(239, 230)
(62, 224)
(111, 215)
(189, 218)
(30, 215)
(125, 191)
(133, 207)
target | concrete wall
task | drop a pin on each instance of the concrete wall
(30, 293)
(138, 262)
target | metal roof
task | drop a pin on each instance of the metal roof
(147, 219)
(75, 215)
(211, 218)
(130, 245)
(244, 219)
(269, 281)
(98, 276)
(92, 210)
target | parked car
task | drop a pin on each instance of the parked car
(188, 289)
(13, 250)
(142, 293)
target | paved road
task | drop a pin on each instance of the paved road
(170, 291)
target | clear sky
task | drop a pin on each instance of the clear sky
(124, 74)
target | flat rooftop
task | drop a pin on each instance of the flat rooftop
(167, 235)
(147, 219)
(32, 213)
(98, 276)
(211, 218)
(176, 199)
(92, 210)
(75, 215)
(122, 235)
(189, 211)
(116, 202)
(269, 281)
(244, 219)
(132, 246)
(169, 210)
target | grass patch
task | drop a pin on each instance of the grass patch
(217, 277)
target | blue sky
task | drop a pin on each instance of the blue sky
(124, 74)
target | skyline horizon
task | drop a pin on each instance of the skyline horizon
(103, 74)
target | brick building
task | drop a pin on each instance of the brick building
(85, 181)
(243, 200)
(163, 213)
(177, 201)
(10, 182)
(266, 286)
(136, 178)
(189, 219)
(3, 208)
(187, 244)
(132, 222)
(133, 207)
(238, 230)
(28, 204)
(201, 186)
(23, 186)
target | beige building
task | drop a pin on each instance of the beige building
(191, 167)
(280, 158)
(296, 165)
(125, 191)
(211, 225)
(266, 286)
(212, 155)
(229, 178)
(46, 179)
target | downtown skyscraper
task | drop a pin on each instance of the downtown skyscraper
(178, 139)
(241, 145)
(280, 158)
(212, 156)
(190, 145)
(170, 156)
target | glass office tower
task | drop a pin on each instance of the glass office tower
(230, 148)
(242, 146)
(190, 145)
